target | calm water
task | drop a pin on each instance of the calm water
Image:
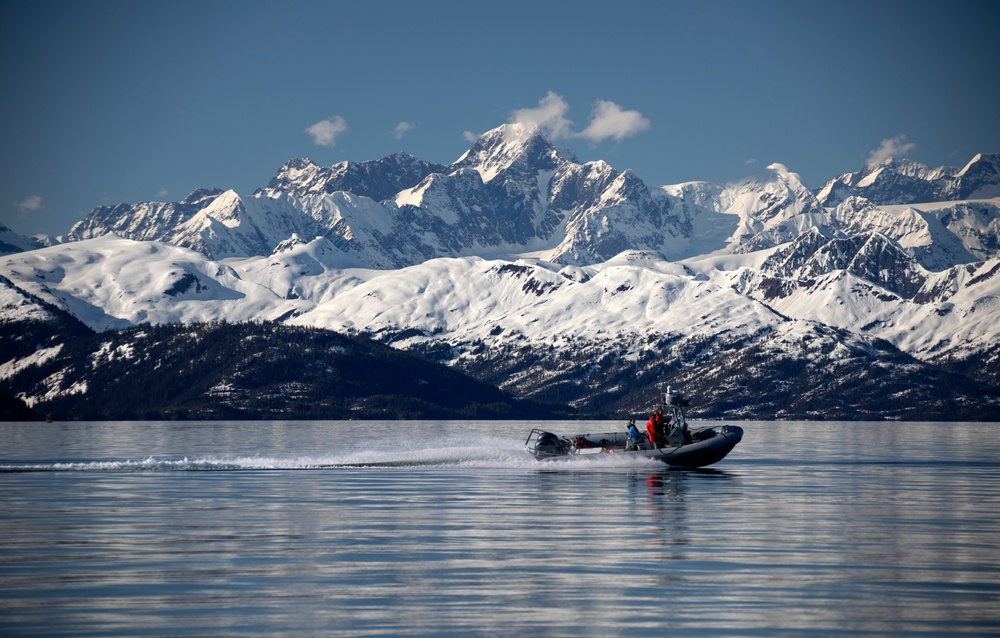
(451, 529)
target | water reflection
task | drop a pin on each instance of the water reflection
(674, 505)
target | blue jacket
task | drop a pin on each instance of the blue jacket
(633, 433)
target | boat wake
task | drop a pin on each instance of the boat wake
(495, 453)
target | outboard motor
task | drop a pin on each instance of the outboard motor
(544, 445)
(547, 444)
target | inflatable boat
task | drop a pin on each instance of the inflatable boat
(679, 447)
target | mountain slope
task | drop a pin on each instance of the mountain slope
(31, 329)
(868, 284)
(582, 335)
(250, 370)
(111, 282)
(11, 242)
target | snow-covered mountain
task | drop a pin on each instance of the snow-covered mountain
(900, 181)
(11, 242)
(32, 331)
(576, 282)
(595, 336)
(378, 180)
(869, 284)
(514, 194)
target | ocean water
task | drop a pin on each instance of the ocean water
(435, 528)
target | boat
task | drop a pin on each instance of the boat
(681, 447)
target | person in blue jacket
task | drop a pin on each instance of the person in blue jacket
(634, 435)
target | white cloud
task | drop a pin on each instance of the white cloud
(469, 136)
(610, 120)
(34, 202)
(549, 115)
(325, 132)
(891, 147)
(402, 129)
(607, 121)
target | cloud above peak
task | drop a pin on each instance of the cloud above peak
(896, 147)
(325, 132)
(549, 115)
(608, 120)
(33, 202)
(402, 129)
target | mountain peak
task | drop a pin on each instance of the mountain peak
(981, 177)
(202, 196)
(377, 179)
(902, 181)
(780, 173)
(506, 147)
(288, 244)
(909, 168)
(518, 132)
(298, 163)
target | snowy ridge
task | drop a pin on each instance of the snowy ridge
(11, 242)
(869, 284)
(900, 181)
(514, 194)
(862, 282)
(112, 282)
(144, 221)
(492, 303)
(17, 305)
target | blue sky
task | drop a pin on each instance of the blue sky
(109, 102)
